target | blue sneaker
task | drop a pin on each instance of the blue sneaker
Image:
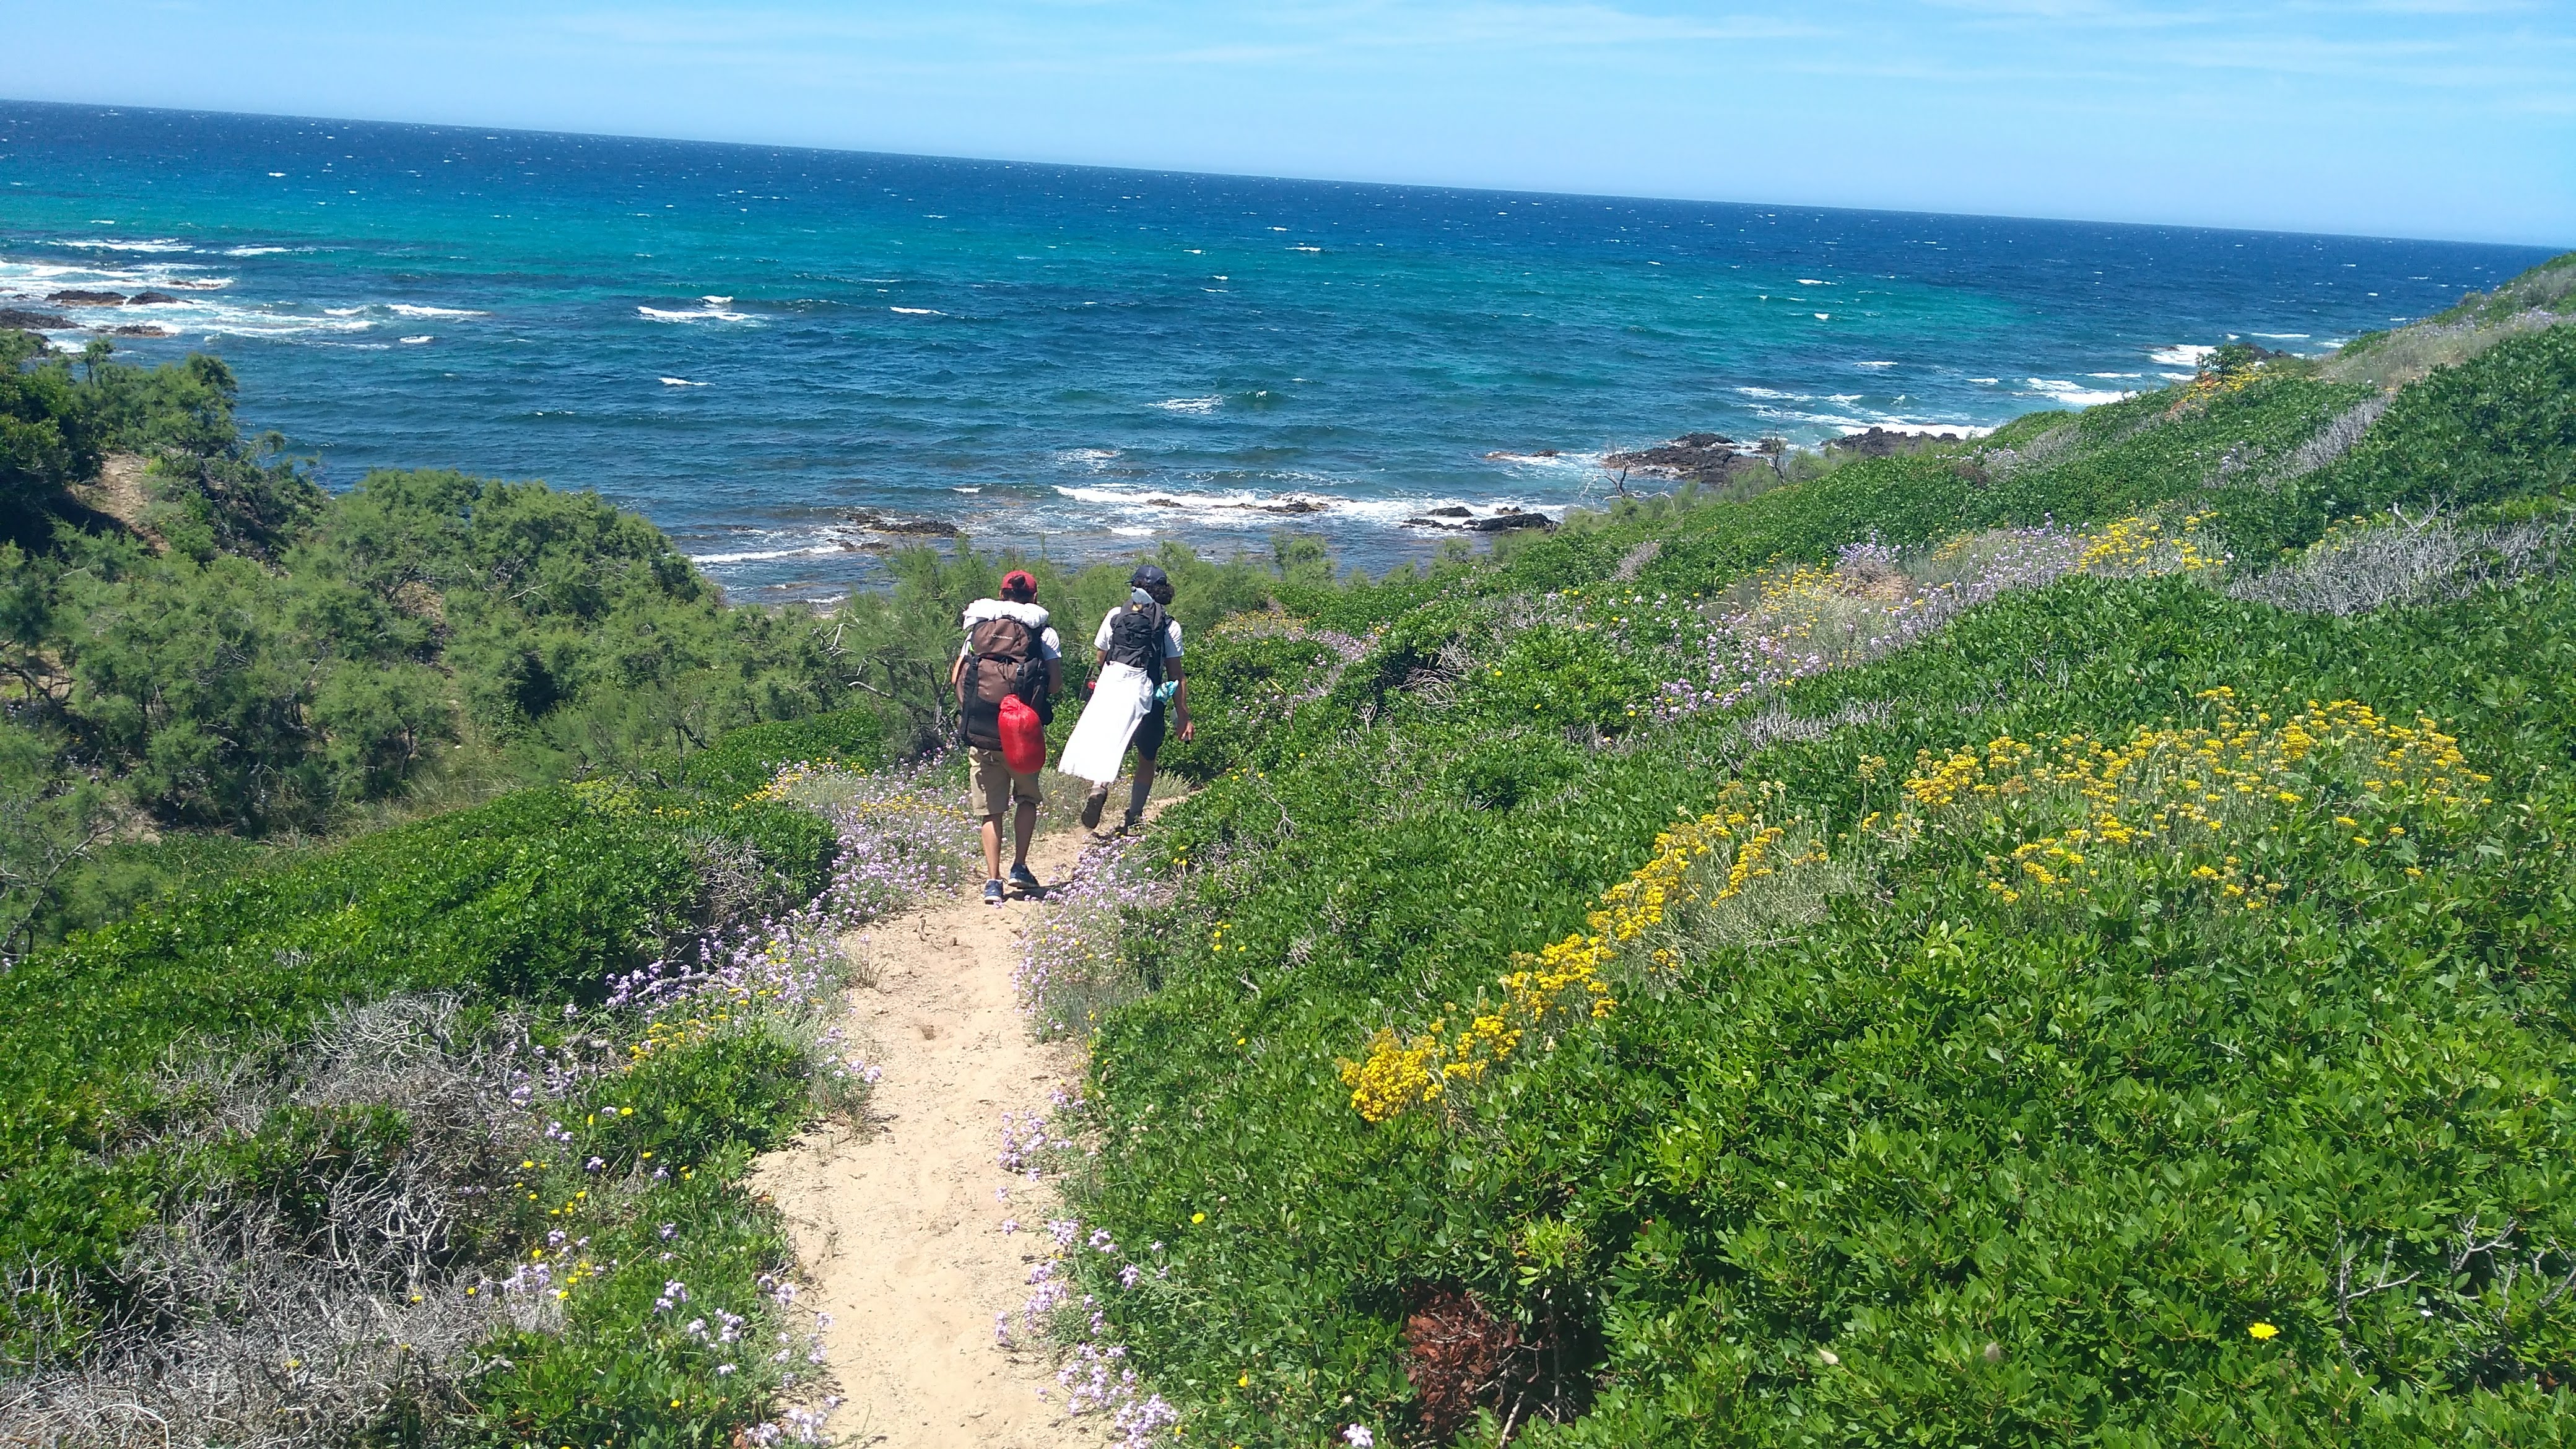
(1026, 879)
(992, 892)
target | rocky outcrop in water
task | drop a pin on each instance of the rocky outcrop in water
(1467, 520)
(88, 299)
(1883, 443)
(1708, 458)
(33, 321)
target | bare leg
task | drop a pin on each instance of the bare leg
(1024, 827)
(993, 847)
(1142, 787)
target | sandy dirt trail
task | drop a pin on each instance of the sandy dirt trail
(895, 1219)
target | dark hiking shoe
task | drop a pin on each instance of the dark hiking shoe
(1091, 809)
(1026, 879)
(1134, 822)
(992, 892)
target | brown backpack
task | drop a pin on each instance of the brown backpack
(1002, 659)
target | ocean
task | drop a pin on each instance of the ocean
(792, 359)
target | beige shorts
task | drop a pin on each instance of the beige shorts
(995, 785)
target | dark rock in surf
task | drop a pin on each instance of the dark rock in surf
(876, 522)
(1453, 511)
(1509, 520)
(149, 299)
(31, 320)
(1885, 443)
(88, 299)
(1692, 457)
(140, 329)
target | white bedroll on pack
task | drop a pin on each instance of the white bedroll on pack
(1123, 696)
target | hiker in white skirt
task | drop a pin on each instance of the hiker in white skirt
(1137, 654)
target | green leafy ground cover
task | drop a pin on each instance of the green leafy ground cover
(113, 1127)
(1885, 1157)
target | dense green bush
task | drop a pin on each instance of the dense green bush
(1907, 1163)
(537, 898)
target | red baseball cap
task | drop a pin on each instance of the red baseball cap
(1018, 581)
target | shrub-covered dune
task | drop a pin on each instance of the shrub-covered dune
(2060, 939)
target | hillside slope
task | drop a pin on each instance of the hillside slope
(2063, 938)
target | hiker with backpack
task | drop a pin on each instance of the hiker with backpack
(1138, 657)
(1006, 679)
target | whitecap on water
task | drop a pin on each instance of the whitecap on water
(416, 341)
(680, 382)
(2073, 394)
(407, 309)
(2182, 354)
(109, 244)
(918, 311)
(1189, 404)
(713, 311)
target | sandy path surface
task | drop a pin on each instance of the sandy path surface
(896, 1220)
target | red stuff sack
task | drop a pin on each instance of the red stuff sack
(1023, 738)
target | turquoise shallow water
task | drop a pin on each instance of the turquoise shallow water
(756, 345)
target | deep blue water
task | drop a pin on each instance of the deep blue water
(749, 343)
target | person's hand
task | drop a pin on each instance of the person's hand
(1189, 731)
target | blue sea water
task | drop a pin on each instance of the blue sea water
(771, 351)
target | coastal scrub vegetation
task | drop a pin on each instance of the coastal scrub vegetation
(2060, 937)
(2057, 936)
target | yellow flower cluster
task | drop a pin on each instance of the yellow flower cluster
(1566, 980)
(2186, 795)
(2201, 389)
(2139, 545)
(663, 1036)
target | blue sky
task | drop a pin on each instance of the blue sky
(2430, 118)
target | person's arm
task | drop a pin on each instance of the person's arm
(1055, 676)
(957, 677)
(1180, 696)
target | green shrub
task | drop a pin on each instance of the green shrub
(746, 759)
(1896, 1159)
(537, 898)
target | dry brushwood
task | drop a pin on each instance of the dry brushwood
(250, 1319)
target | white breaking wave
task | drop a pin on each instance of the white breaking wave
(2182, 354)
(1189, 404)
(407, 309)
(1903, 425)
(713, 311)
(2073, 394)
(342, 311)
(416, 341)
(104, 244)
(2281, 336)
(762, 555)
(261, 251)
(918, 311)
(680, 382)
(1543, 460)
(1873, 364)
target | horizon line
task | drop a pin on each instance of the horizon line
(2554, 248)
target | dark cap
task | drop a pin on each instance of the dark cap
(1149, 577)
(1017, 584)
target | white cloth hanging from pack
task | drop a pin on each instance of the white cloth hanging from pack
(1118, 704)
